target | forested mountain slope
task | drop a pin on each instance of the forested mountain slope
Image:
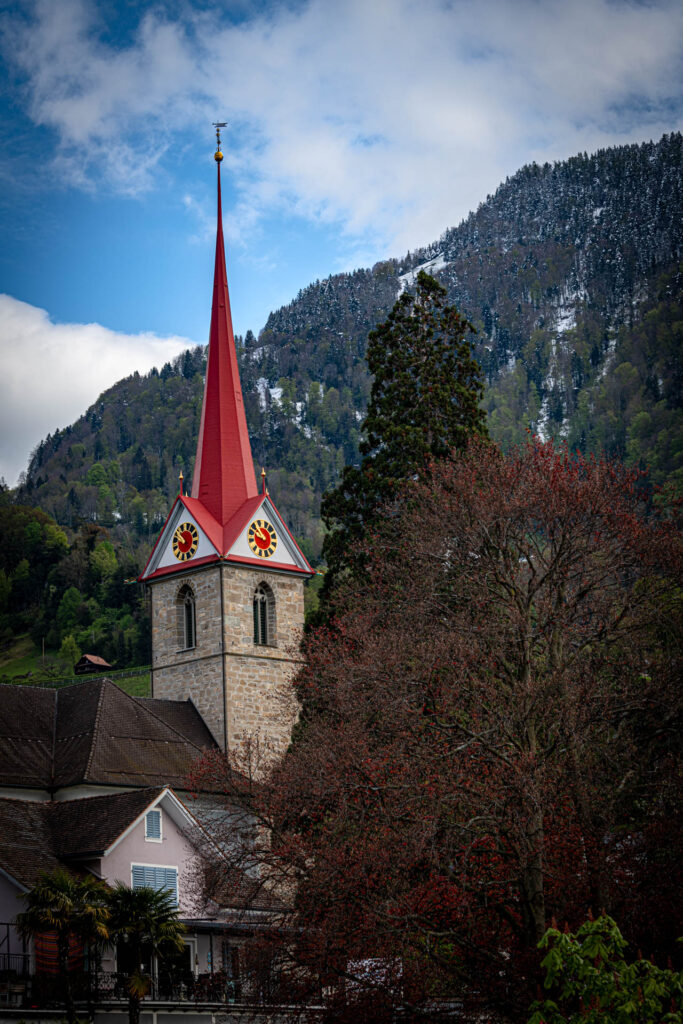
(570, 274)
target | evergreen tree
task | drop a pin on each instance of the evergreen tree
(424, 404)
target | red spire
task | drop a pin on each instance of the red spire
(224, 471)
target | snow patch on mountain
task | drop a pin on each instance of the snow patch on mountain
(566, 319)
(262, 387)
(432, 266)
(542, 427)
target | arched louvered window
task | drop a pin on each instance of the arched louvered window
(264, 616)
(185, 617)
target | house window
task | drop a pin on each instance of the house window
(185, 617)
(264, 616)
(153, 826)
(148, 876)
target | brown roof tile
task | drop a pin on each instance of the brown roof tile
(77, 710)
(133, 745)
(26, 719)
(181, 715)
(93, 732)
(26, 848)
(89, 826)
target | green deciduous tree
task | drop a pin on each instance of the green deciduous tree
(69, 652)
(424, 404)
(591, 982)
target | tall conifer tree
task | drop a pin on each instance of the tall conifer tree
(424, 403)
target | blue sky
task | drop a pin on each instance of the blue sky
(359, 129)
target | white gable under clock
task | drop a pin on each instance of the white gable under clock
(182, 540)
(266, 538)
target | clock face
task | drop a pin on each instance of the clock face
(185, 541)
(262, 538)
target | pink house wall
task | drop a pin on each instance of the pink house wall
(174, 851)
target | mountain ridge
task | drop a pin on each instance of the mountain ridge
(559, 270)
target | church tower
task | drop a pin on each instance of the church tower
(226, 576)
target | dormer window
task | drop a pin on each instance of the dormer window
(153, 826)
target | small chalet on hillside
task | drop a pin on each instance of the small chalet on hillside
(91, 663)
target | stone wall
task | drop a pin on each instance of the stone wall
(258, 696)
(260, 700)
(178, 674)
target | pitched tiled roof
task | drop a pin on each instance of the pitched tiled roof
(93, 732)
(40, 836)
(90, 826)
(26, 735)
(183, 717)
(127, 742)
(238, 891)
(26, 847)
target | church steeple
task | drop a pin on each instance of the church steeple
(224, 471)
(226, 576)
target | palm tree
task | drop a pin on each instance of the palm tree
(66, 906)
(146, 922)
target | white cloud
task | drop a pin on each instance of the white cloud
(390, 119)
(53, 372)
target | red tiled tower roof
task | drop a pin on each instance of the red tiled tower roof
(225, 497)
(224, 471)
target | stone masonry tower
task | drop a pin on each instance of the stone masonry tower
(226, 576)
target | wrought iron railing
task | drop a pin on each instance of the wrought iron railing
(19, 987)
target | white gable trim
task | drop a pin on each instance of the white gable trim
(13, 881)
(176, 811)
(286, 553)
(163, 556)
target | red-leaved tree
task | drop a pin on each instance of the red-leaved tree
(489, 738)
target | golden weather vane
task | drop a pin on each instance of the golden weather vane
(218, 156)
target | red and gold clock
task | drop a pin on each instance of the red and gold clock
(262, 538)
(185, 541)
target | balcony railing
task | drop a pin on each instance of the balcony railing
(38, 990)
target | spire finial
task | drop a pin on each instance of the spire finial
(218, 156)
(180, 483)
(263, 480)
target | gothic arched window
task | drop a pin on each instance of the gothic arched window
(185, 617)
(264, 616)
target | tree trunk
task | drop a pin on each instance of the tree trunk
(133, 1008)
(63, 957)
(532, 882)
